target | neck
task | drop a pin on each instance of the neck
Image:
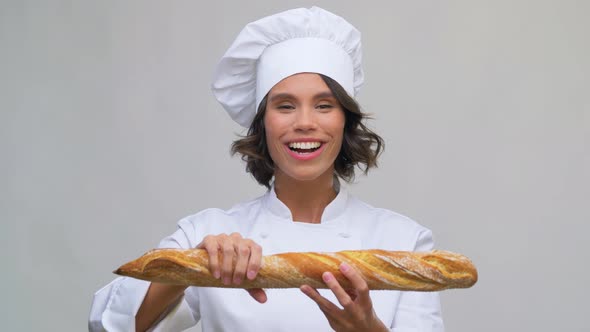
(305, 199)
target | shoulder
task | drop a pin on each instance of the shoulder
(388, 228)
(222, 221)
(380, 216)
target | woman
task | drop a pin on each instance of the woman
(290, 78)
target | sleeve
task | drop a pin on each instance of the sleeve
(419, 311)
(114, 306)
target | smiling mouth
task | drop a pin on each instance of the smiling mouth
(304, 147)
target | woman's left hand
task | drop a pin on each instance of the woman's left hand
(357, 313)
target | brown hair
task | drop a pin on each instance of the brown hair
(360, 145)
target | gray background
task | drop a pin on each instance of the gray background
(109, 134)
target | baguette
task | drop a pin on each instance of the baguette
(387, 270)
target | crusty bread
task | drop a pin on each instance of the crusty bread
(394, 270)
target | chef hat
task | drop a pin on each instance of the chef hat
(278, 46)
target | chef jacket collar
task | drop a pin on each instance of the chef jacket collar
(331, 212)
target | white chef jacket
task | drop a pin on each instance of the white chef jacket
(346, 224)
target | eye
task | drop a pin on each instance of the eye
(325, 107)
(285, 107)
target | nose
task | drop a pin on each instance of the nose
(305, 119)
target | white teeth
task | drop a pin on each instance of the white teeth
(304, 145)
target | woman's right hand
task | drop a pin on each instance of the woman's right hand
(233, 258)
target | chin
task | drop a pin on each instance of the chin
(305, 178)
(306, 175)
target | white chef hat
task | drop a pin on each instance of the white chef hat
(278, 46)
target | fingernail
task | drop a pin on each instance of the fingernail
(216, 275)
(237, 280)
(251, 275)
(304, 289)
(327, 276)
(226, 281)
(344, 267)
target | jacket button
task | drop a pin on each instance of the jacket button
(264, 235)
(344, 235)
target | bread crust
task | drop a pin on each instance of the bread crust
(386, 270)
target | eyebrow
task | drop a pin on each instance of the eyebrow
(286, 95)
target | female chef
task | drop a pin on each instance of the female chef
(290, 78)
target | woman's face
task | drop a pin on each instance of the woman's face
(304, 127)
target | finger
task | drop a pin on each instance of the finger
(241, 262)
(227, 265)
(236, 236)
(255, 260)
(210, 244)
(358, 283)
(343, 297)
(258, 294)
(329, 308)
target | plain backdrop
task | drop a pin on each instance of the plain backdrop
(109, 134)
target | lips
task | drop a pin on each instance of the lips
(305, 150)
(304, 147)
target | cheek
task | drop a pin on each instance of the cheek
(269, 131)
(337, 127)
(273, 143)
(271, 136)
(336, 130)
(272, 125)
